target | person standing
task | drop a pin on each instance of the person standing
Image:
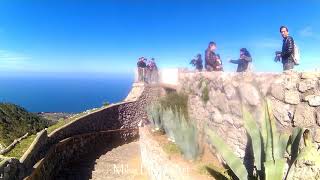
(212, 63)
(154, 75)
(287, 53)
(243, 61)
(197, 62)
(141, 64)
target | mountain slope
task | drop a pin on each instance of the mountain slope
(15, 121)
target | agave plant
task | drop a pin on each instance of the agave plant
(269, 149)
(154, 116)
(180, 131)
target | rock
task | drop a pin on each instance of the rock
(304, 115)
(249, 94)
(309, 75)
(291, 97)
(317, 135)
(220, 101)
(216, 116)
(318, 116)
(277, 91)
(235, 108)
(230, 91)
(307, 84)
(6, 169)
(290, 81)
(313, 100)
(228, 118)
(282, 112)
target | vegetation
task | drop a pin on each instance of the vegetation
(21, 147)
(154, 112)
(106, 103)
(57, 125)
(176, 101)
(171, 148)
(216, 172)
(15, 121)
(269, 149)
(170, 114)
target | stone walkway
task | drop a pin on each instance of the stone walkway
(122, 162)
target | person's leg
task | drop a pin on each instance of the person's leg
(140, 74)
(209, 68)
(288, 65)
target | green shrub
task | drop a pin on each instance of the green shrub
(57, 125)
(171, 148)
(106, 103)
(15, 121)
(216, 172)
(154, 113)
(175, 101)
(182, 132)
(21, 147)
(269, 149)
(170, 113)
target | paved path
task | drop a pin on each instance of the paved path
(119, 163)
(122, 162)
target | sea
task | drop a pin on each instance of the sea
(64, 93)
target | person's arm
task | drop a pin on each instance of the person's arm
(235, 61)
(290, 49)
(246, 58)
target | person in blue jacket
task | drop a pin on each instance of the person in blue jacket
(243, 61)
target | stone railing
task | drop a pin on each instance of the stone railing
(75, 147)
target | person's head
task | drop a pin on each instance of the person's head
(198, 56)
(244, 51)
(212, 46)
(284, 31)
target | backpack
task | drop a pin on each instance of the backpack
(296, 54)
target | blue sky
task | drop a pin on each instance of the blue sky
(108, 36)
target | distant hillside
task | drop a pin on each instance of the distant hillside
(15, 121)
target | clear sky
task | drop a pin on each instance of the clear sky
(108, 36)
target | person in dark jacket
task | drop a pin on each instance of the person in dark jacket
(141, 64)
(197, 62)
(243, 61)
(212, 63)
(287, 49)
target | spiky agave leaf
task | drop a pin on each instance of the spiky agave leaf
(295, 139)
(274, 170)
(231, 159)
(186, 138)
(266, 132)
(255, 136)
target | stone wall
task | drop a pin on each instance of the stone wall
(121, 116)
(116, 116)
(8, 168)
(73, 148)
(216, 98)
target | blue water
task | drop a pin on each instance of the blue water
(63, 94)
